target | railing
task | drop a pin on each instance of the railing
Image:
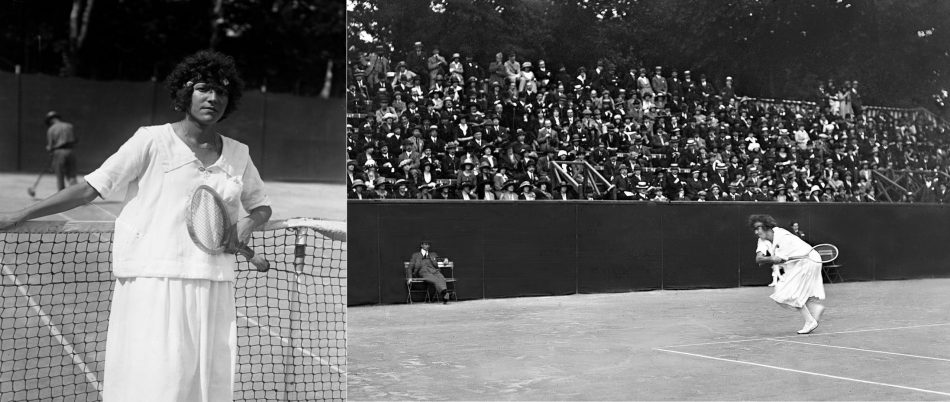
(590, 179)
(894, 184)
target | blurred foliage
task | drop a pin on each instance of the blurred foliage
(898, 49)
(283, 44)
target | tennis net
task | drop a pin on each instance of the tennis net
(56, 286)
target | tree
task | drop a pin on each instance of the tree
(79, 18)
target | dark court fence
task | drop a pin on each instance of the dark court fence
(291, 137)
(510, 249)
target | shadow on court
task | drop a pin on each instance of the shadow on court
(887, 340)
(290, 200)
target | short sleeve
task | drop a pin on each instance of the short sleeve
(252, 194)
(763, 247)
(123, 166)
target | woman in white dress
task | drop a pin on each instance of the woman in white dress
(801, 286)
(172, 329)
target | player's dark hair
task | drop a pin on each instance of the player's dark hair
(207, 66)
(767, 221)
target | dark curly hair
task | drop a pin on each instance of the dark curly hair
(767, 221)
(206, 66)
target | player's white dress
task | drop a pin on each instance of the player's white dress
(172, 324)
(802, 279)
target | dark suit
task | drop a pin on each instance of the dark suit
(428, 269)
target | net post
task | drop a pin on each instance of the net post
(300, 253)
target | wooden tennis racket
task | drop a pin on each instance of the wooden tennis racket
(826, 253)
(210, 227)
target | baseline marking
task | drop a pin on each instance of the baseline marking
(807, 372)
(53, 330)
(809, 335)
(866, 350)
(289, 343)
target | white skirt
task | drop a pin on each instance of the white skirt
(802, 281)
(171, 340)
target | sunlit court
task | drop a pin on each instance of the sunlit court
(881, 340)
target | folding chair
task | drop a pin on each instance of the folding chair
(416, 286)
(831, 272)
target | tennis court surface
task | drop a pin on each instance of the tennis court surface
(886, 340)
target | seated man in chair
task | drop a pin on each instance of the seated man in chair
(423, 264)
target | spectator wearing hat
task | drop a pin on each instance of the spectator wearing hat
(352, 173)
(705, 88)
(715, 193)
(403, 190)
(358, 191)
(450, 162)
(508, 192)
(385, 111)
(531, 174)
(542, 190)
(370, 174)
(527, 82)
(675, 86)
(643, 84)
(564, 192)
(485, 175)
(642, 193)
(467, 191)
(658, 82)
(527, 191)
(435, 65)
(721, 176)
(404, 76)
(473, 71)
(693, 185)
(581, 80)
(433, 141)
(622, 185)
(426, 178)
(409, 153)
(544, 76)
(377, 67)
(727, 92)
(424, 264)
(456, 68)
(367, 153)
(445, 191)
(468, 172)
(496, 70)
(428, 156)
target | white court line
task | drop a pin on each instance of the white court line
(809, 335)
(103, 210)
(289, 343)
(53, 330)
(866, 350)
(807, 372)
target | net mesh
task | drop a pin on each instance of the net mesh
(56, 285)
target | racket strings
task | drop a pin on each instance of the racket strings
(209, 222)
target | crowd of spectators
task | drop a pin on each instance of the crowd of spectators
(432, 126)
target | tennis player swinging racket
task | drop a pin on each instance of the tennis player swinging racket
(801, 287)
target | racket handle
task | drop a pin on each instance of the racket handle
(258, 261)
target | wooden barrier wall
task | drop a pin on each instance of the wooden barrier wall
(509, 249)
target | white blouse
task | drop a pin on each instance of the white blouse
(161, 173)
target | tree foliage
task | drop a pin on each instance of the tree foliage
(283, 44)
(898, 49)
